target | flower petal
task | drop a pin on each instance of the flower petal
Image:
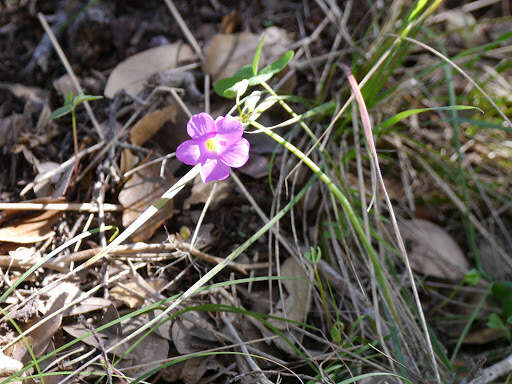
(237, 154)
(213, 169)
(229, 130)
(199, 125)
(189, 152)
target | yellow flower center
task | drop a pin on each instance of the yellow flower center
(210, 145)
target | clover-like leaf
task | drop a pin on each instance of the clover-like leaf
(227, 87)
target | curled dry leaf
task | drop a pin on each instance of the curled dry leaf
(226, 54)
(432, 251)
(131, 74)
(30, 229)
(143, 189)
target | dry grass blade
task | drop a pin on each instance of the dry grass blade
(367, 127)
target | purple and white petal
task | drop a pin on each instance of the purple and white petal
(214, 169)
(229, 130)
(200, 125)
(189, 152)
(237, 154)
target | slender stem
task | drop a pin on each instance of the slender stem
(75, 140)
(289, 110)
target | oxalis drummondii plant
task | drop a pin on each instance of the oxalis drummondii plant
(216, 146)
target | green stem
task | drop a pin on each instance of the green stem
(289, 110)
(344, 202)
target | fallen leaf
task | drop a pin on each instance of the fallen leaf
(41, 336)
(230, 22)
(64, 86)
(8, 366)
(190, 371)
(46, 187)
(256, 166)
(131, 74)
(30, 229)
(225, 54)
(89, 304)
(296, 305)
(143, 189)
(190, 333)
(201, 191)
(432, 251)
(151, 123)
(132, 294)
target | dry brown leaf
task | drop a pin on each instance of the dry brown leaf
(131, 74)
(41, 336)
(190, 333)
(256, 166)
(201, 191)
(8, 366)
(226, 54)
(190, 371)
(132, 294)
(30, 229)
(432, 251)
(143, 189)
(64, 85)
(128, 160)
(151, 123)
(230, 22)
(296, 305)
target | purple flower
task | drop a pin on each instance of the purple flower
(216, 145)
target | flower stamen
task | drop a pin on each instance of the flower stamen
(210, 145)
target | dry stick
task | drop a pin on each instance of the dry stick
(186, 31)
(367, 127)
(70, 72)
(494, 371)
(81, 207)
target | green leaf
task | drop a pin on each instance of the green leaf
(404, 114)
(419, 6)
(256, 60)
(337, 332)
(472, 277)
(495, 322)
(225, 87)
(69, 98)
(278, 65)
(81, 98)
(62, 111)
(503, 293)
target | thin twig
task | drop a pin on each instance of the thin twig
(81, 207)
